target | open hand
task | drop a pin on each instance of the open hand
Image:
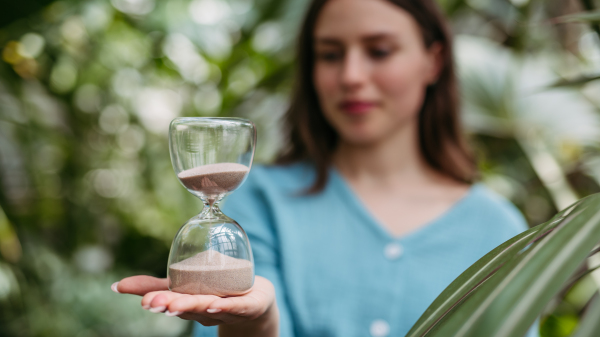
(208, 310)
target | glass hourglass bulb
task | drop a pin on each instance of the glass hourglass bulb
(211, 254)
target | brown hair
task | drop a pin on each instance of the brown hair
(311, 138)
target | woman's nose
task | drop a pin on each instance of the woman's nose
(354, 70)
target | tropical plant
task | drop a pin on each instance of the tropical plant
(503, 293)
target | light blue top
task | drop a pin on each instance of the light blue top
(337, 272)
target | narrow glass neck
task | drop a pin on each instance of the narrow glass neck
(211, 211)
(209, 200)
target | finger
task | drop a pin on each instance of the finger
(251, 305)
(206, 321)
(196, 307)
(247, 306)
(148, 302)
(197, 304)
(163, 299)
(141, 285)
(147, 299)
(190, 307)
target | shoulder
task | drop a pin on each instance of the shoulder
(270, 184)
(293, 177)
(496, 209)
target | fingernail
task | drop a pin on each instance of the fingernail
(158, 309)
(212, 311)
(174, 313)
(146, 307)
(114, 287)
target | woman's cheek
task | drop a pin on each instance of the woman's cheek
(325, 81)
(327, 90)
(392, 81)
(403, 88)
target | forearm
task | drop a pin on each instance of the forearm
(266, 325)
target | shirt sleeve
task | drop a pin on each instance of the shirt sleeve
(252, 209)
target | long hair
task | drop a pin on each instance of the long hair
(311, 138)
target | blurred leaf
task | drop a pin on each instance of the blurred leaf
(509, 300)
(576, 82)
(13, 10)
(10, 247)
(478, 273)
(585, 17)
(451, 6)
(471, 279)
(559, 325)
(547, 168)
(589, 326)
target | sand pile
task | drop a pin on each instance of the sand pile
(214, 179)
(211, 273)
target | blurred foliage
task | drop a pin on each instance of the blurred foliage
(87, 89)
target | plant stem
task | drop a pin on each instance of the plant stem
(588, 5)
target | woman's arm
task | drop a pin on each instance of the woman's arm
(252, 314)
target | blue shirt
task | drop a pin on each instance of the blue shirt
(337, 272)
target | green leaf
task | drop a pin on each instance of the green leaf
(576, 82)
(586, 17)
(503, 293)
(479, 272)
(508, 303)
(589, 326)
(470, 279)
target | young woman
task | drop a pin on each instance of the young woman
(370, 212)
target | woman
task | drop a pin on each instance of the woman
(370, 213)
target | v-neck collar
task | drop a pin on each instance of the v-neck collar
(349, 196)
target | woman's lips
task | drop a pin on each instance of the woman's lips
(356, 107)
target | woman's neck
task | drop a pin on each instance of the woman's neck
(394, 159)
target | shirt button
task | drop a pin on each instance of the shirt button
(379, 328)
(392, 251)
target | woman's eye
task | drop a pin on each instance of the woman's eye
(329, 56)
(380, 53)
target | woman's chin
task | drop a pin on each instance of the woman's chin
(358, 138)
(364, 132)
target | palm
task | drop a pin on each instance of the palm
(205, 309)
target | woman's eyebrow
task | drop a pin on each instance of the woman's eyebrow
(330, 41)
(372, 37)
(378, 37)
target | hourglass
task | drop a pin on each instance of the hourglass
(211, 254)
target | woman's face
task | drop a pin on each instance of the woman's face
(371, 68)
